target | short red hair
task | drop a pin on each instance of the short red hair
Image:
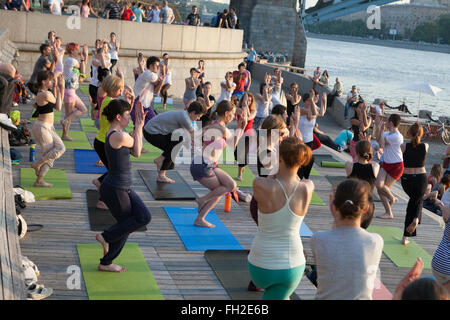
(71, 47)
(294, 152)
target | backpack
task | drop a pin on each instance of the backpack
(7, 86)
(19, 137)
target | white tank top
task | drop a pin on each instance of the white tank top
(306, 127)
(277, 244)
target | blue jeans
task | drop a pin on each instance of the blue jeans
(347, 105)
(130, 213)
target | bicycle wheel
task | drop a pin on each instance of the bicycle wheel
(445, 135)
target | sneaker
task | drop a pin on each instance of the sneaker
(6, 123)
(39, 292)
(246, 197)
(252, 287)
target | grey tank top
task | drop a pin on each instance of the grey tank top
(119, 172)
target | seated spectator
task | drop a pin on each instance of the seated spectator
(435, 174)
(323, 80)
(344, 137)
(326, 140)
(336, 92)
(316, 76)
(347, 254)
(352, 99)
(432, 199)
(193, 19)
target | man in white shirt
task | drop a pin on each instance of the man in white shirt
(55, 6)
(352, 98)
(147, 84)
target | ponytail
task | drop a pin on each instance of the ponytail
(415, 132)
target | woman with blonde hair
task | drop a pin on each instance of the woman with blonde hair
(414, 179)
(113, 85)
(43, 131)
(276, 261)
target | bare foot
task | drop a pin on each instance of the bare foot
(386, 216)
(103, 242)
(164, 179)
(43, 184)
(145, 150)
(239, 178)
(412, 226)
(405, 241)
(203, 223)
(111, 268)
(99, 163)
(101, 205)
(96, 183)
(67, 138)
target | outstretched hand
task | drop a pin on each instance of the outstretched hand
(412, 275)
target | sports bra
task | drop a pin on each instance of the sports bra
(46, 108)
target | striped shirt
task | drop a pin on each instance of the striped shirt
(114, 10)
(441, 258)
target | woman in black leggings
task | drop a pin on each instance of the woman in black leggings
(414, 179)
(125, 205)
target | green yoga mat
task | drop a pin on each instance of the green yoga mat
(314, 173)
(247, 176)
(150, 156)
(159, 107)
(80, 140)
(84, 89)
(57, 177)
(316, 201)
(332, 164)
(402, 256)
(136, 283)
(57, 115)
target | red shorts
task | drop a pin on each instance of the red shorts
(395, 170)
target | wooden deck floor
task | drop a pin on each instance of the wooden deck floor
(180, 274)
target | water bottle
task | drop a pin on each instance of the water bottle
(227, 202)
(32, 152)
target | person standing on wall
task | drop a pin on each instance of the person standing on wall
(252, 55)
(113, 49)
(113, 10)
(193, 19)
(55, 6)
(166, 15)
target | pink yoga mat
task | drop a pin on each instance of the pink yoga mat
(380, 292)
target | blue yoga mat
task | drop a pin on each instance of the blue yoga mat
(200, 238)
(305, 231)
(85, 162)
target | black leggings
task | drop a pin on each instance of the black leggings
(130, 213)
(164, 93)
(303, 172)
(415, 186)
(242, 159)
(165, 143)
(326, 140)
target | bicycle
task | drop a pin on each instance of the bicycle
(429, 132)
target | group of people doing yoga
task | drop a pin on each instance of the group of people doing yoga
(284, 162)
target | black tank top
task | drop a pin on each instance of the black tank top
(363, 172)
(290, 107)
(119, 172)
(414, 157)
(46, 108)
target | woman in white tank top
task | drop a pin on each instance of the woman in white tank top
(276, 261)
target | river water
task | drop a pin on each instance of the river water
(381, 72)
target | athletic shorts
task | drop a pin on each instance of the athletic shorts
(203, 170)
(395, 170)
